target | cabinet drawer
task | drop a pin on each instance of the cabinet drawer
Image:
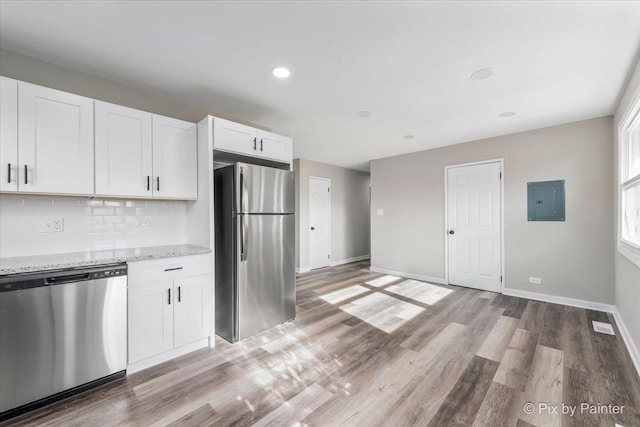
(168, 268)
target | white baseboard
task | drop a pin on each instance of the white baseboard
(164, 357)
(429, 279)
(626, 337)
(301, 270)
(559, 300)
(349, 260)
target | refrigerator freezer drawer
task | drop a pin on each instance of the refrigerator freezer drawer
(266, 272)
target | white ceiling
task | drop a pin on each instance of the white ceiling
(408, 63)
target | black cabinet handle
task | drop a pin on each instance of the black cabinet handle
(26, 180)
(255, 143)
(158, 183)
(148, 183)
(179, 294)
(260, 144)
(313, 228)
(9, 173)
(452, 232)
(173, 269)
(169, 298)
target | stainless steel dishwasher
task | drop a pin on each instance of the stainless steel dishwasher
(61, 332)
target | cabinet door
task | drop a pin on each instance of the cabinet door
(175, 158)
(275, 147)
(55, 141)
(123, 151)
(8, 134)
(234, 137)
(150, 309)
(193, 315)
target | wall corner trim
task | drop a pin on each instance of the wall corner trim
(438, 280)
(626, 337)
(590, 305)
(349, 260)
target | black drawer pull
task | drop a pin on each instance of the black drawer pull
(173, 269)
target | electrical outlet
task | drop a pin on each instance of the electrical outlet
(535, 280)
(143, 222)
(53, 225)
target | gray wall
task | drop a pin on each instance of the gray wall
(627, 274)
(573, 258)
(349, 210)
(42, 73)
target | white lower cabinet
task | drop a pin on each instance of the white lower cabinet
(150, 320)
(190, 322)
(170, 305)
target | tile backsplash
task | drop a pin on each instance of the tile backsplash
(88, 224)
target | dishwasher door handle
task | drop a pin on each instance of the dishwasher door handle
(67, 279)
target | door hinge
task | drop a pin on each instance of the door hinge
(500, 175)
(328, 190)
(329, 256)
(500, 279)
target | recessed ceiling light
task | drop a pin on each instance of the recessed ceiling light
(507, 114)
(363, 114)
(481, 74)
(408, 136)
(281, 72)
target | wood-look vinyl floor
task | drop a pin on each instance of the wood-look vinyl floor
(369, 349)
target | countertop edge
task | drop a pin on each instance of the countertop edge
(52, 266)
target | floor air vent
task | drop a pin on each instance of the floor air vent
(603, 328)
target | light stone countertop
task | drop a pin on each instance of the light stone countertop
(35, 263)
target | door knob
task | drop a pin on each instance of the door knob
(313, 228)
(452, 232)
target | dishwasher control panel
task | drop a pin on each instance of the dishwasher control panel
(15, 282)
(110, 273)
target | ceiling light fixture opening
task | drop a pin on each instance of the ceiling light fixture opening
(507, 114)
(363, 114)
(281, 72)
(482, 74)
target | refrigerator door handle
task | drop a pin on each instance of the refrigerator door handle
(241, 189)
(243, 243)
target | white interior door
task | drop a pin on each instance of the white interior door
(319, 222)
(474, 226)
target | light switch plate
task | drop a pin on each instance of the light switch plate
(380, 212)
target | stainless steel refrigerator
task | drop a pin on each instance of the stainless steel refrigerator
(254, 249)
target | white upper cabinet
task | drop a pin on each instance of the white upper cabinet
(48, 146)
(275, 147)
(55, 141)
(8, 134)
(123, 151)
(242, 139)
(175, 161)
(234, 137)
